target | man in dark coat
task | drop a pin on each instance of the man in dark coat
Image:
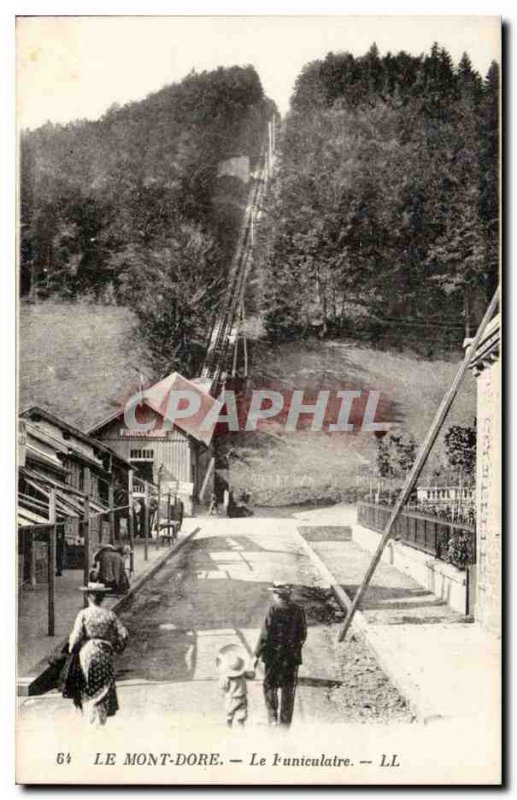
(280, 647)
(110, 569)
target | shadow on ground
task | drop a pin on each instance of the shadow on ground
(182, 611)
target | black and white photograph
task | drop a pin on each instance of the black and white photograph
(259, 342)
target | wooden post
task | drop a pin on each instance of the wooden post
(158, 508)
(52, 563)
(420, 460)
(86, 534)
(131, 521)
(146, 521)
(111, 513)
(86, 530)
(471, 589)
(206, 479)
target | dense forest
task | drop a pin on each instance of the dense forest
(129, 209)
(384, 219)
(382, 222)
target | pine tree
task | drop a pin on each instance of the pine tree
(489, 168)
(387, 197)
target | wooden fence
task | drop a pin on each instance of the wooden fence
(421, 531)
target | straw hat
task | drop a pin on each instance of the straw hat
(230, 662)
(92, 586)
(282, 589)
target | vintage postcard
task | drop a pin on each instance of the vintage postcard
(259, 524)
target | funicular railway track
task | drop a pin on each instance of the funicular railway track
(218, 347)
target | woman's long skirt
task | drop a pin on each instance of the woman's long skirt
(99, 695)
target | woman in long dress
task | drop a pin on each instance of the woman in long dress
(97, 634)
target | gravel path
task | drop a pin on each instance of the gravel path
(361, 692)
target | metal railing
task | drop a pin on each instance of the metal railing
(429, 534)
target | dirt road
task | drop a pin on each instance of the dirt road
(214, 593)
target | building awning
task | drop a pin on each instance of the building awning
(33, 454)
(69, 501)
(26, 517)
(65, 504)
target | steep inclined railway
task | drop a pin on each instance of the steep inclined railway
(217, 353)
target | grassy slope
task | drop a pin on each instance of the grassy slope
(78, 361)
(280, 468)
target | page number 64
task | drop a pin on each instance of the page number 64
(63, 758)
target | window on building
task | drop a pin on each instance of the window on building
(143, 461)
(138, 454)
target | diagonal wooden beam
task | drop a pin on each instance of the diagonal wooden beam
(420, 460)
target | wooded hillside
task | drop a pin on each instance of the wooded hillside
(129, 208)
(385, 219)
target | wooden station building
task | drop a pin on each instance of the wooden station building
(182, 451)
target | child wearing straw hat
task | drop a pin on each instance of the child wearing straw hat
(231, 665)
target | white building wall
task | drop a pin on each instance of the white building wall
(489, 542)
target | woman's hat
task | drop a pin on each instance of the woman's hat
(282, 589)
(92, 586)
(230, 662)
